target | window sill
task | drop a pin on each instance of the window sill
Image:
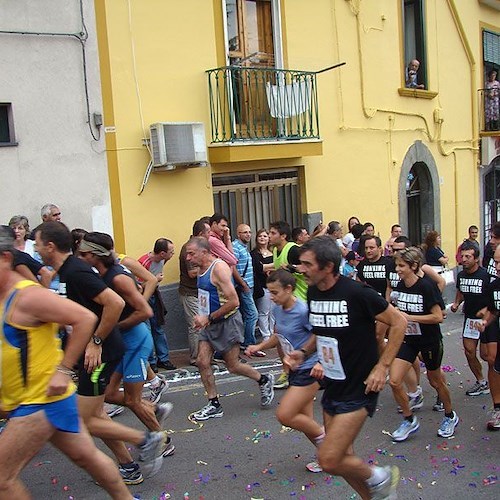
(8, 144)
(419, 93)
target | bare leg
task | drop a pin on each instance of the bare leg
(233, 364)
(493, 376)
(438, 381)
(470, 348)
(20, 441)
(80, 448)
(295, 410)
(203, 361)
(144, 412)
(336, 454)
(399, 369)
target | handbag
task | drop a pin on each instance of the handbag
(448, 275)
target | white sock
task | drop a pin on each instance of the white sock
(155, 382)
(319, 439)
(378, 475)
(482, 381)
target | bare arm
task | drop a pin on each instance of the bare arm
(112, 305)
(459, 298)
(46, 276)
(435, 316)
(397, 326)
(435, 276)
(148, 280)
(126, 288)
(443, 260)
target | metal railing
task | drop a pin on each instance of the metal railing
(256, 103)
(489, 109)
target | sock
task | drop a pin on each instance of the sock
(482, 381)
(319, 439)
(130, 465)
(409, 418)
(378, 475)
(215, 402)
(146, 436)
(414, 394)
(155, 382)
(263, 379)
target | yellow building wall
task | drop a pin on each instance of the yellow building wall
(153, 59)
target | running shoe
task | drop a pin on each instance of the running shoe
(113, 410)
(438, 405)
(267, 391)
(386, 490)
(162, 412)
(416, 402)
(166, 365)
(131, 475)
(259, 354)
(208, 411)
(493, 423)
(155, 393)
(447, 427)
(281, 381)
(406, 428)
(169, 448)
(478, 388)
(152, 447)
(314, 467)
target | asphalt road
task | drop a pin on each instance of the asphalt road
(248, 455)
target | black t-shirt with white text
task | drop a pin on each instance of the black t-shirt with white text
(390, 273)
(418, 300)
(473, 287)
(109, 276)
(81, 284)
(493, 296)
(374, 274)
(346, 312)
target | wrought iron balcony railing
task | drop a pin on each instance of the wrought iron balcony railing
(262, 104)
(489, 109)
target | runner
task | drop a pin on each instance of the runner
(291, 331)
(419, 301)
(37, 390)
(220, 326)
(342, 313)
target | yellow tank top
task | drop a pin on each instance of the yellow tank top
(28, 358)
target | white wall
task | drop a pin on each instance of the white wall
(56, 159)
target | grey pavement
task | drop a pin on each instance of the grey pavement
(248, 455)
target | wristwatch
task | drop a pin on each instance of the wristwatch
(97, 340)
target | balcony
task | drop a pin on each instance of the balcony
(489, 107)
(256, 106)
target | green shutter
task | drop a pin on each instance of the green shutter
(491, 47)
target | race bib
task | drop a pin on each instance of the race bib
(471, 330)
(285, 344)
(413, 328)
(203, 302)
(329, 357)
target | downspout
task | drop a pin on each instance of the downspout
(475, 130)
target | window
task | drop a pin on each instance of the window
(414, 43)
(6, 125)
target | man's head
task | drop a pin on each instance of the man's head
(399, 243)
(163, 250)
(7, 237)
(495, 235)
(300, 235)
(319, 259)
(50, 212)
(218, 224)
(201, 228)
(473, 233)
(470, 256)
(396, 231)
(373, 248)
(52, 239)
(197, 251)
(97, 248)
(413, 65)
(334, 230)
(244, 233)
(279, 233)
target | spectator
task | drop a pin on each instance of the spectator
(434, 256)
(492, 101)
(411, 75)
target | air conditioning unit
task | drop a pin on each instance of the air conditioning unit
(178, 144)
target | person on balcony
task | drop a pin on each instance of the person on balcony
(492, 101)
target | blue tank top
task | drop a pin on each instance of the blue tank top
(210, 298)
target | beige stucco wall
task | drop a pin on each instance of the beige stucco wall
(367, 127)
